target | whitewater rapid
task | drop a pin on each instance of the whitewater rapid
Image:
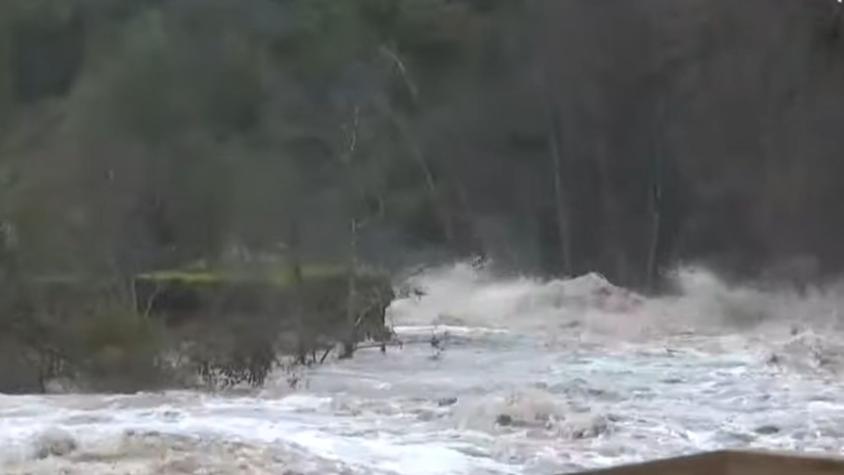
(495, 376)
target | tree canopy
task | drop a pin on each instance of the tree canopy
(555, 137)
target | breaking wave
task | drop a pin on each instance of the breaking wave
(495, 376)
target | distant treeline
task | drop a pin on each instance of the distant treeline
(554, 136)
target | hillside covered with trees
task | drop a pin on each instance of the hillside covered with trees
(555, 137)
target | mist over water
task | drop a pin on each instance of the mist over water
(495, 375)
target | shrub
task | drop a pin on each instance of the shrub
(117, 349)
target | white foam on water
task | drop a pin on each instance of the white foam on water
(495, 376)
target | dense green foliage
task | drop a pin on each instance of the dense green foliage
(167, 132)
(556, 137)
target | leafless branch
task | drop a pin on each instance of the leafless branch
(402, 69)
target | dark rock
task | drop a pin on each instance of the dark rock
(590, 428)
(54, 443)
(504, 420)
(767, 430)
(447, 401)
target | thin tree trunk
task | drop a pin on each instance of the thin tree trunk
(563, 229)
(352, 298)
(656, 226)
(652, 269)
(350, 337)
(557, 136)
(303, 338)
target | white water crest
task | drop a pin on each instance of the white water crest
(495, 376)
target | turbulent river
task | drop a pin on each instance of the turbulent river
(495, 376)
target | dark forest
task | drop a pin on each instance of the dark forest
(553, 138)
